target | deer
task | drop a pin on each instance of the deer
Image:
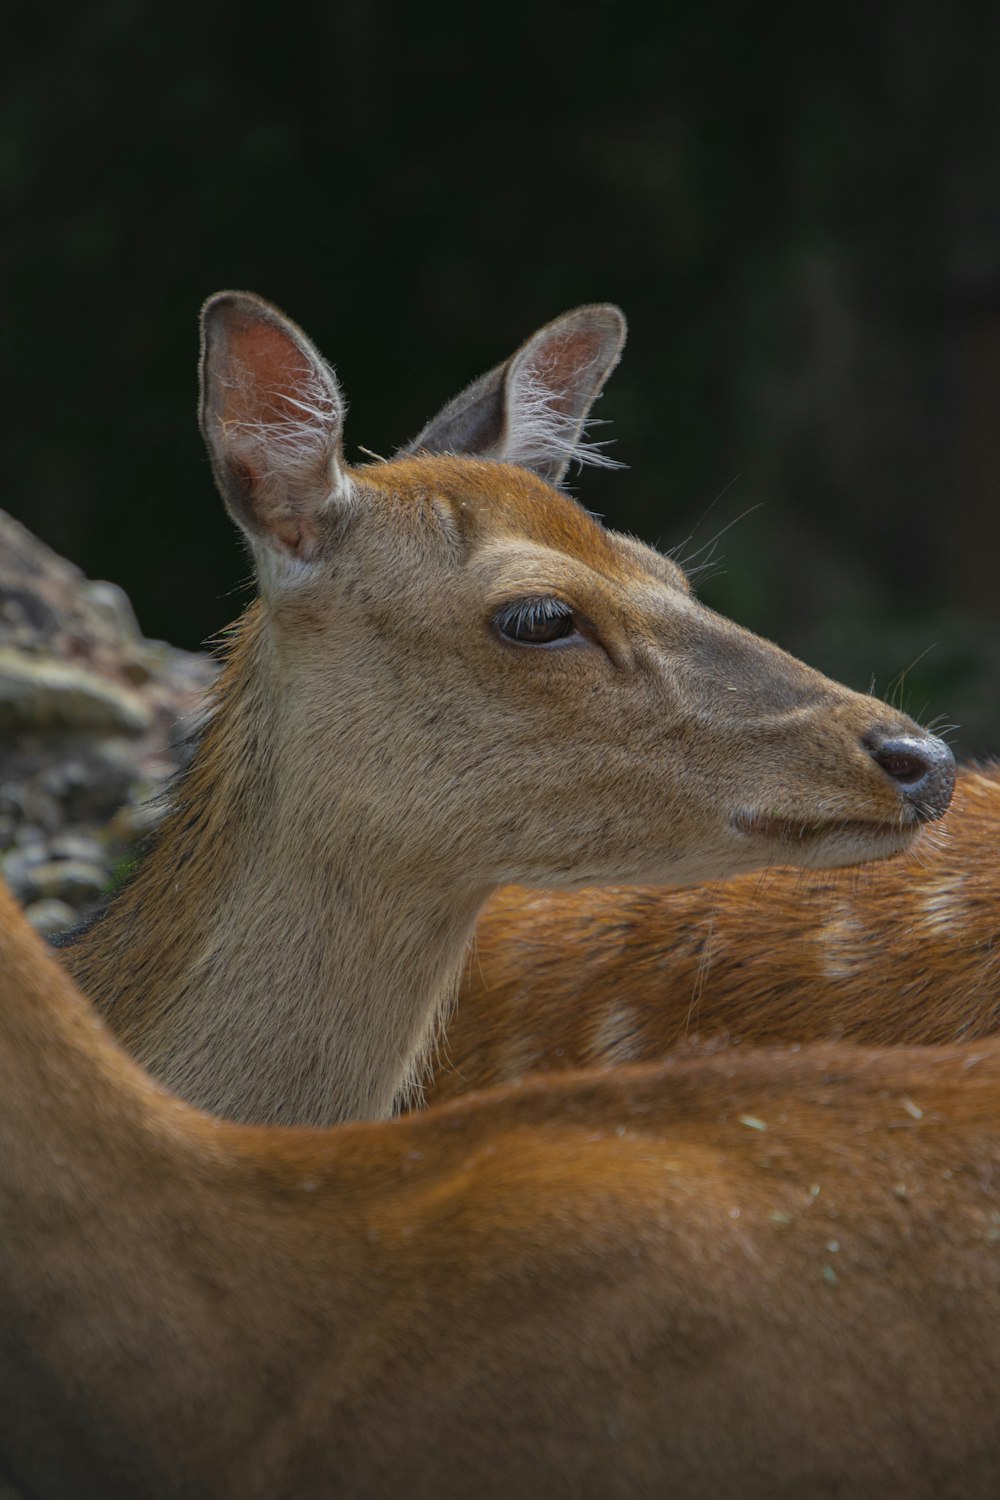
(905, 951)
(758, 1273)
(454, 679)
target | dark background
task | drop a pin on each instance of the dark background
(799, 211)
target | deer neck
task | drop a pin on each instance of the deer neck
(273, 960)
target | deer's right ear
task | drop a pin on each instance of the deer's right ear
(272, 418)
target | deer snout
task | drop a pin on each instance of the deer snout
(922, 767)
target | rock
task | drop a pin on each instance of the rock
(77, 846)
(137, 671)
(17, 866)
(93, 780)
(50, 918)
(29, 837)
(41, 695)
(74, 880)
(114, 606)
(89, 716)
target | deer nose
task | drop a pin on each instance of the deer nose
(922, 767)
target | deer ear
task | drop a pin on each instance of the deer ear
(533, 409)
(272, 418)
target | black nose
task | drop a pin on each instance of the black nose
(921, 766)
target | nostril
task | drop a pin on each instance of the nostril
(902, 765)
(923, 768)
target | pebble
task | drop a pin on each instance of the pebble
(17, 865)
(51, 917)
(73, 880)
(111, 604)
(37, 693)
(77, 846)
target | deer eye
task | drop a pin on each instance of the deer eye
(535, 622)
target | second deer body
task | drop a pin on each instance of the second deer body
(905, 951)
(756, 1274)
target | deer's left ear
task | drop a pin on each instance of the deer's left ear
(532, 410)
(272, 418)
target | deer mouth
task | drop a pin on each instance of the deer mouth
(797, 831)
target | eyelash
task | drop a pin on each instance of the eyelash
(540, 621)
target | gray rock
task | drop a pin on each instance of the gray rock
(50, 918)
(38, 812)
(29, 838)
(77, 846)
(93, 780)
(38, 694)
(33, 851)
(17, 867)
(73, 880)
(112, 605)
(92, 723)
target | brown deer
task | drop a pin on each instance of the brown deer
(454, 679)
(904, 951)
(757, 1274)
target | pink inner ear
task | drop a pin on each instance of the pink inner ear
(272, 376)
(564, 364)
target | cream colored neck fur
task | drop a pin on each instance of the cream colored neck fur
(305, 964)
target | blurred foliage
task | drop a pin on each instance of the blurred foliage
(799, 209)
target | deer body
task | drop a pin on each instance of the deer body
(906, 951)
(757, 1273)
(454, 679)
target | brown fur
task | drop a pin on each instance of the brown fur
(757, 1273)
(380, 760)
(906, 951)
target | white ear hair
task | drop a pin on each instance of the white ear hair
(287, 442)
(533, 409)
(542, 435)
(272, 418)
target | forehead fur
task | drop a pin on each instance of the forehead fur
(489, 500)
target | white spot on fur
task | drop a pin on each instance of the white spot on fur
(941, 903)
(842, 943)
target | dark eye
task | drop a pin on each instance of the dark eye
(534, 622)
